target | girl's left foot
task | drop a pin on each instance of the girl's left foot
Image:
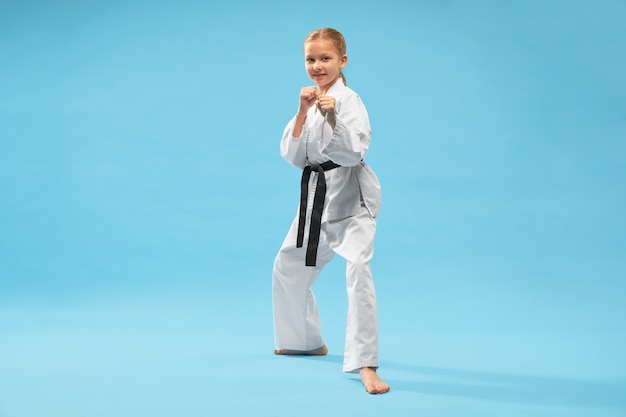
(372, 382)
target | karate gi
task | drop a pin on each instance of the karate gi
(348, 227)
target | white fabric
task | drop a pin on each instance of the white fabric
(348, 228)
(296, 317)
(354, 181)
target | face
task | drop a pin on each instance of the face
(323, 62)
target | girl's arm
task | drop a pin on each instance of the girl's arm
(299, 124)
(292, 145)
(308, 97)
(351, 134)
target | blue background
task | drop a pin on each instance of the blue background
(143, 200)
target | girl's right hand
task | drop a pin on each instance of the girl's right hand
(308, 98)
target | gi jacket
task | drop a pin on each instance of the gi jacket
(354, 183)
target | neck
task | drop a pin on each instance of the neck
(323, 90)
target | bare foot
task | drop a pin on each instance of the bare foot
(372, 382)
(315, 352)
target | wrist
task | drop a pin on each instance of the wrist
(331, 118)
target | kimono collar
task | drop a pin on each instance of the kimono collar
(338, 85)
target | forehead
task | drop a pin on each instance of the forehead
(320, 47)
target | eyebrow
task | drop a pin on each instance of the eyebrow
(322, 55)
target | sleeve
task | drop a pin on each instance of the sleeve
(351, 136)
(294, 149)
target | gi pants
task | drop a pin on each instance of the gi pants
(296, 317)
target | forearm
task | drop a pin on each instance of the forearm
(299, 124)
(349, 142)
(293, 149)
(331, 119)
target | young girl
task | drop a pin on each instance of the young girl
(339, 201)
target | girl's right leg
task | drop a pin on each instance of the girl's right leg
(297, 325)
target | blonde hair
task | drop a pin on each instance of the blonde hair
(332, 35)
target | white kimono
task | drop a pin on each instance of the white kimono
(348, 228)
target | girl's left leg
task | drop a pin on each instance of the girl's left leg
(353, 240)
(361, 346)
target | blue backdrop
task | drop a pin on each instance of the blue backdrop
(143, 200)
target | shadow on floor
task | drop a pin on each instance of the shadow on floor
(511, 388)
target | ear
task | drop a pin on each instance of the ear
(344, 61)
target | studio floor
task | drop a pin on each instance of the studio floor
(444, 351)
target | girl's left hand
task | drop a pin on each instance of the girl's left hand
(326, 104)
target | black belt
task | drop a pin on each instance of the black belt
(318, 208)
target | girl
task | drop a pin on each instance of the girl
(339, 201)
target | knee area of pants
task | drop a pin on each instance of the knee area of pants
(359, 266)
